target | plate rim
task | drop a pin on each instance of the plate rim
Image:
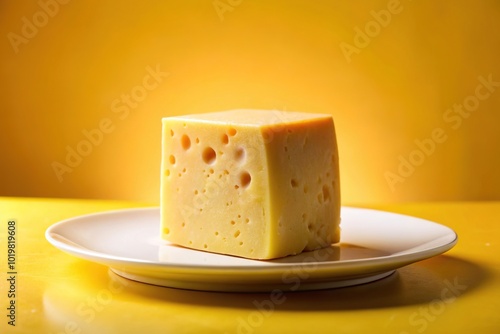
(392, 261)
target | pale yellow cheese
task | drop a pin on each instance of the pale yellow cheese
(252, 183)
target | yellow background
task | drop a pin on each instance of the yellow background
(283, 55)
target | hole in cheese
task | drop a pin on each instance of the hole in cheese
(185, 142)
(171, 158)
(209, 155)
(326, 193)
(225, 139)
(232, 131)
(245, 179)
(240, 154)
(294, 183)
(237, 234)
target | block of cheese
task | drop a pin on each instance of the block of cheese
(257, 184)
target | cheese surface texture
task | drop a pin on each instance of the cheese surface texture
(251, 183)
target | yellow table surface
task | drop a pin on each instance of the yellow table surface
(458, 292)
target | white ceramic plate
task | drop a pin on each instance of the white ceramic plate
(373, 245)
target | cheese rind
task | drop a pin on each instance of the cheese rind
(251, 183)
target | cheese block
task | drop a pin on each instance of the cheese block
(257, 184)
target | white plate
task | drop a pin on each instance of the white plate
(373, 245)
